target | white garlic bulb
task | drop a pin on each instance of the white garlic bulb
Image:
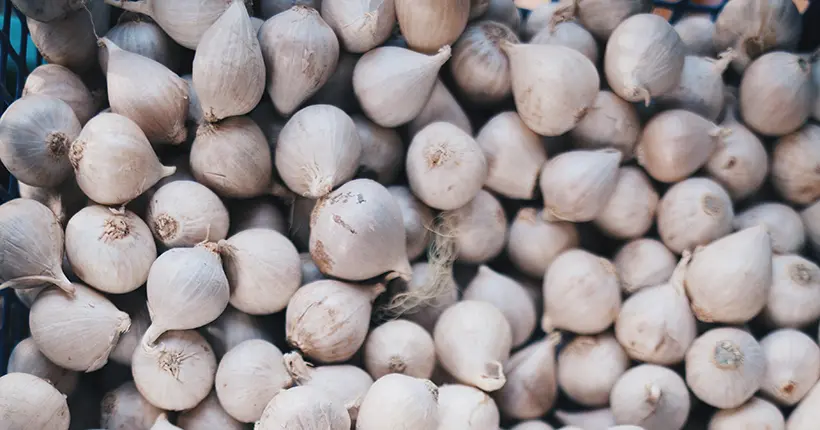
(531, 388)
(479, 228)
(805, 416)
(185, 213)
(510, 297)
(782, 222)
(26, 358)
(589, 366)
(792, 365)
(466, 408)
(694, 212)
(303, 408)
(794, 297)
(577, 185)
(630, 211)
(125, 407)
(754, 413)
(643, 263)
(397, 401)
(653, 397)
(400, 346)
(29, 402)
(534, 241)
(208, 415)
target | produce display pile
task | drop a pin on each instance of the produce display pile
(413, 215)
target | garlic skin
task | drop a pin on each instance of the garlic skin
(793, 161)
(232, 328)
(140, 321)
(58, 321)
(207, 415)
(414, 403)
(514, 156)
(105, 143)
(60, 82)
(441, 106)
(361, 25)
(125, 407)
(589, 367)
(601, 18)
(400, 346)
(417, 217)
(531, 387)
(327, 320)
(781, 222)
(480, 69)
(701, 88)
(109, 249)
(630, 211)
(472, 340)
(696, 32)
(643, 263)
(446, 168)
(593, 419)
(569, 34)
(301, 51)
(382, 149)
(792, 365)
(141, 35)
(270, 8)
(29, 402)
(248, 377)
(537, 68)
(317, 150)
(393, 84)
(26, 358)
(68, 41)
(576, 185)
(652, 397)
(534, 242)
(177, 373)
(756, 412)
(338, 90)
(510, 297)
(804, 416)
(468, 408)
(429, 24)
(185, 213)
(694, 212)
(36, 132)
(793, 296)
(480, 228)
(261, 212)
(303, 408)
(344, 383)
(728, 280)
(611, 122)
(725, 357)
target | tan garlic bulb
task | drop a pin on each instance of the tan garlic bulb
(589, 366)
(781, 222)
(69, 41)
(755, 412)
(29, 402)
(652, 397)
(564, 31)
(429, 24)
(510, 297)
(399, 346)
(696, 33)
(303, 408)
(344, 383)
(382, 150)
(480, 68)
(531, 387)
(26, 358)
(139, 34)
(479, 228)
(418, 220)
(596, 418)
(630, 211)
(125, 407)
(577, 185)
(804, 416)
(60, 82)
(361, 25)
(694, 212)
(185, 213)
(441, 106)
(792, 365)
(534, 242)
(701, 88)
(465, 407)
(793, 161)
(208, 414)
(793, 296)
(413, 403)
(611, 122)
(643, 263)
(729, 358)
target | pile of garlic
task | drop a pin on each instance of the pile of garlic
(413, 214)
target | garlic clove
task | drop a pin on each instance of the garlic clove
(69, 41)
(382, 150)
(429, 24)
(418, 220)
(303, 408)
(651, 396)
(441, 106)
(577, 185)
(534, 242)
(465, 407)
(60, 82)
(399, 346)
(480, 69)
(755, 412)
(26, 358)
(531, 388)
(611, 122)
(142, 36)
(782, 222)
(360, 24)
(510, 297)
(208, 415)
(588, 368)
(185, 213)
(643, 263)
(794, 293)
(30, 402)
(792, 365)
(694, 212)
(696, 32)
(793, 165)
(125, 407)
(630, 211)
(412, 402)
(594, 419)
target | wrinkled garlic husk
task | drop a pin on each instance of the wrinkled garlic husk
(505, 12)
(566, 32)
(676, 143)
(643, 263)
(57, 81)
(577, 185)
(208, 415)
(602, 17)
(728, 280)
(125, 408)
(781, 222)
(701, 88)
(232, 328)
(481, 71)
(794, 159)
(805, 416)
(473, 339)
(644, 58)
(360, 25)
(651, 396)
(45, 11)
(26, 358)
(185, 213)
(510, 297)
(394, 84)
(441, 106)
(514, 156)
(467, 408)
(539, 68)
(754, 413)
(630, 211)
(427, 25)
(729, 358)
(109, 249)
(159, 111)
(531, 387)
(29, 402)
(128, 342)
(144, 37)
(534, 242)
(177, 372)
(427, 313)
(248, 377)
(58, 322)
(446, 168)
(229, 70)
(318, 149)
(327, 320)
(777, 94)
(304, 408)
(413, 403)
(64, 201)
(594, 419)
(792, 365)
(696, 32)
(399, 346)
(260, 212)
(610, 122)
(270, 8)
(68, 41)
(588, 368)
(479, 228)
(694, 212)
(382, 150)
(418, 220)
(794, 296)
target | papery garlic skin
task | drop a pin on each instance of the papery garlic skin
(782, 223)
(400, 346)
(795, 291)
(185, 213)
(755, 412)
(361, 25)
(570, 34)
(49, 11)
(792, 365)
(643, 263)
(534, 242)
(694, 212)
(413, 403)
(531, 388)
(480, 228)
(29, 402)
(125, 407)
(654, 397)
(793, 161)
(60, 82)
(577, 185)
(465, 407)
(588, 368)
(701, 87)
(26, 358)
(303, 408)
(429, 24)
(418, 219)
(69, 41)
(510, 297)
(207, 415)
(480, 69)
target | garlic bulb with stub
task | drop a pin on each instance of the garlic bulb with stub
(696, 33)
(26, 358)
(467, 408)
(382, 150)
(588, 368)
(564, 31)
(418, 220)
(805, 416)
(756, 412)
(141, 35)
(576, 185)
(481, 71)
(510, 297)
(399, 346)
(630, 211)
(531, 388)
(207, 415)
(694, 212)
(413, 402)
(643, 262)
(782, 223)
(611, 122)
(361, 25)
(534, 242)
(125, 407)
(185, 213)
(232, 328)
(441, 106)
(429, 24)
(701, 88)
(60, 82)
(479, 228)
(69, 41)
(792, 365)
(794, 296)
(594, 419)
(794, 162)
(729, 358)
(651, 396)
(29, 402)
(303, 408)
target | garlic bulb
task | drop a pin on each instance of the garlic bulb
(630, 211)
(781, 222)
(57, 81)
(531, 387)
(177, 373)
(248, 377)
(468, 408)
(792, 365)
(270, 8)
(185, 213)
(441, 106)
(479, 228)
(534, 242)
(141, 35)
(58, 322)
(382, 150)
(696, 32)
(594, 419)
(700, 89)
(602, 17)
(361, 25)
(729, 358)
(106, 142)
(793, 165)
(47, 11)
(676, 143)
(728, 280)
(538, 68)
(128, 342)
(429, 24)
(299, 221)
(755, 412)
(68, 41)
(589, 367)
(510, 297)
(26, 358)
(260, 212)
(317, 150)
(539, 18)
(804, 416)
(418, 220)
(124, 407)
(338, 90)
(232, 328)
(644, 58)
(207, 415)
(427, 312)
(413, 403)
(794, 293)
(399, 346)
(610, 122)
(563, 31)
(480, 69)
(36, 132)
(505, 12)
(577, 185)
(777, 93)
(643, 263)
(162, 423)
(651, 396)
(29, 402)
(327, 320)
(694, 212)
(534, 425)
(159, 111)
(393, 84)
(64, 201)
(303, 408)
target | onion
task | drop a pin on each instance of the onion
(652, 396)
(29, 402)
(124, 407)
(781, 222)
(534, 241)
(610, 122)
(531, 388)
(480, 69)
(26, 358)
(399, 346)
(185, 213)
(361, 25)
(207, 415)
(578, 184)
(694, 212)
(427, 25)
(643, 263)
(700, 89)
(696, 32)
(382, 150)
(794, 159)
(68, 41)
(57, 81)
(589, 367)
(441, 106)
(792, 297)
(143, 36)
